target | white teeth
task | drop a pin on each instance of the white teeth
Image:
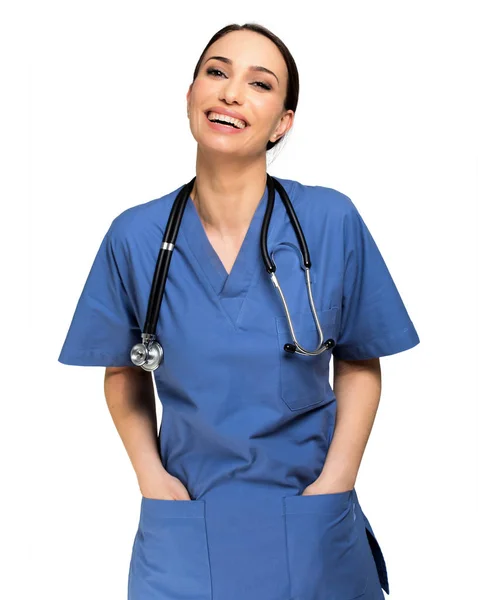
(237, 122)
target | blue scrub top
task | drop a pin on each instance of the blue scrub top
(242, 418)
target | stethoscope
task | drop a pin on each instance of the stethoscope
(149, 354)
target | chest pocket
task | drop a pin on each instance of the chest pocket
(304, 379)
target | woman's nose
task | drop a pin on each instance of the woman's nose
(233, 91)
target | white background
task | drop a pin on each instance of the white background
(94, 121)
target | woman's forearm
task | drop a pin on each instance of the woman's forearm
(129, 394)
(357, 387)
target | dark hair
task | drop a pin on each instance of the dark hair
(292, 95)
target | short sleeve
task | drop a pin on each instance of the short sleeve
(104, 326)
(374, 321)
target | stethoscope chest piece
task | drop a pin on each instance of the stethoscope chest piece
(148, 356)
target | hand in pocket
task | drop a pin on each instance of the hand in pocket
(164, 487)
(322, 487)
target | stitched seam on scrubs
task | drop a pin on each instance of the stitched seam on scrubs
(116, 245)
(93, 353)
(394, 336)
(208, 551)
(286, 545)
(206, 278)
(391, 335)
(111, 240)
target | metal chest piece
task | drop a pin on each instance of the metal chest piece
(148, 354)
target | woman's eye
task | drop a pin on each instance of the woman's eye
(261, 84)
(211, 71)
(264, 85)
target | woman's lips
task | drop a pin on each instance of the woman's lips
(224, 128)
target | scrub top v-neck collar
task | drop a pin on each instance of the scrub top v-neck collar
(248, 260)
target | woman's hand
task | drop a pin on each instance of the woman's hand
(164, 487)
(322, 486)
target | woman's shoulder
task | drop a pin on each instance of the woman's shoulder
(314, 197)
(143, 219)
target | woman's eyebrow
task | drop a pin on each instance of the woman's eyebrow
(253, 68)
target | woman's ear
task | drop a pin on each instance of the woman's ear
(188, 94)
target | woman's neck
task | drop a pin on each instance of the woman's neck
(226, 194)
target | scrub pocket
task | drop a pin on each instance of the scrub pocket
(304, 379)
(170, 557)
(324, 552)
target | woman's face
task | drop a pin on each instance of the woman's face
(230, 83)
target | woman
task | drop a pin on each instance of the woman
(248, 490)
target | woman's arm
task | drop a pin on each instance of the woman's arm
(129, 395)
(357, 387)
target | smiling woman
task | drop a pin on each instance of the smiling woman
(271, 86)
(248, 488)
